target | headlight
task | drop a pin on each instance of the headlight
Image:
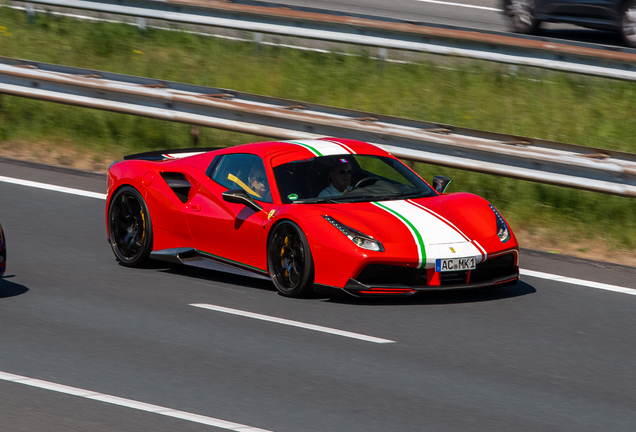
(503, 232)
(360, 239)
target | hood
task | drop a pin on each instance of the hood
(445, 226)
(467, 213)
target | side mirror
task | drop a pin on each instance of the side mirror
(440, 183)
(239, 196)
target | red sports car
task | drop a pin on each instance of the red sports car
(328, 215)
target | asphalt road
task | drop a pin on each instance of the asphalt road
(474, 14)
(541, 355)
(477, 14)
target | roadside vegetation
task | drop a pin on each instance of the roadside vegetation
(570, 108)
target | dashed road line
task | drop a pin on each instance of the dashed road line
(461, 5)
(581, 282)
(50, 187)
(293, 323)
(129, 403)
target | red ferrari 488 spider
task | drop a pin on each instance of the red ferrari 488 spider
(329, 215)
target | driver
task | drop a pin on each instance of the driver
(258, 182)
(340, 177)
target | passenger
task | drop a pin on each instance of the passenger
(258, 182)
(340, 177)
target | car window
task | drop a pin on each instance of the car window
(358, 177)
(242, 171)
(376, 166)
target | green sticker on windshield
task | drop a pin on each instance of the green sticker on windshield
(292, 197)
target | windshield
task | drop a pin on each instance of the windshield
(348, 178)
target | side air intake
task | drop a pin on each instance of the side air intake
(179, 184)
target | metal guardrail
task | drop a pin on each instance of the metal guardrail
(504, 155)
(366, 30)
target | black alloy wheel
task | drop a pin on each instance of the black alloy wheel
(628, 23)
(130, 229)
(522, 16)
(289, 261)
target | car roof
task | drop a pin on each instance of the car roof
(280, 152)
(272, 148)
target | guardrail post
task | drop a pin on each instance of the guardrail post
(195, 131)
(30, 11)
(141, 24)
(383, 53)
(258, 38)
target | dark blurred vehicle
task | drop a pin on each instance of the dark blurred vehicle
(614, 15)
(3, 253)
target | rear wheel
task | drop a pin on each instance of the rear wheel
(130, 229)
(289, 261)
(628, 23)
(522, 16)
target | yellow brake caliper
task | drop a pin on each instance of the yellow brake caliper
(282, 260)
(143, 228)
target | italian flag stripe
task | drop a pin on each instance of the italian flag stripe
(323, 147)
(308, 147)
(446, 221)
(416, 234)
(347, 148)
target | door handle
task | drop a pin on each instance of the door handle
(195, 208)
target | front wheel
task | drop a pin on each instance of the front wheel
(628, 23)
(522, 16)
(289, 261)
(129, 228)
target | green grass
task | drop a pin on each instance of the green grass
(582, 110)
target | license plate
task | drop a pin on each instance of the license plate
(455, 264)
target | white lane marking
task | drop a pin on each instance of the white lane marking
(461, 5)
(581, 282)
(129, 403)
(293, 323)
(53, 187)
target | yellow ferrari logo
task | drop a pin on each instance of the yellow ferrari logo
(452, 250)
(271, 214)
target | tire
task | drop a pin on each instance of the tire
(289, 261)
(130, 228)
(628, 23)
(522, 16)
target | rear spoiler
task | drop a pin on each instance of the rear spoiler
(161, 155)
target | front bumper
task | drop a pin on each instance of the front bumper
(383, 280)
(356, 289)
